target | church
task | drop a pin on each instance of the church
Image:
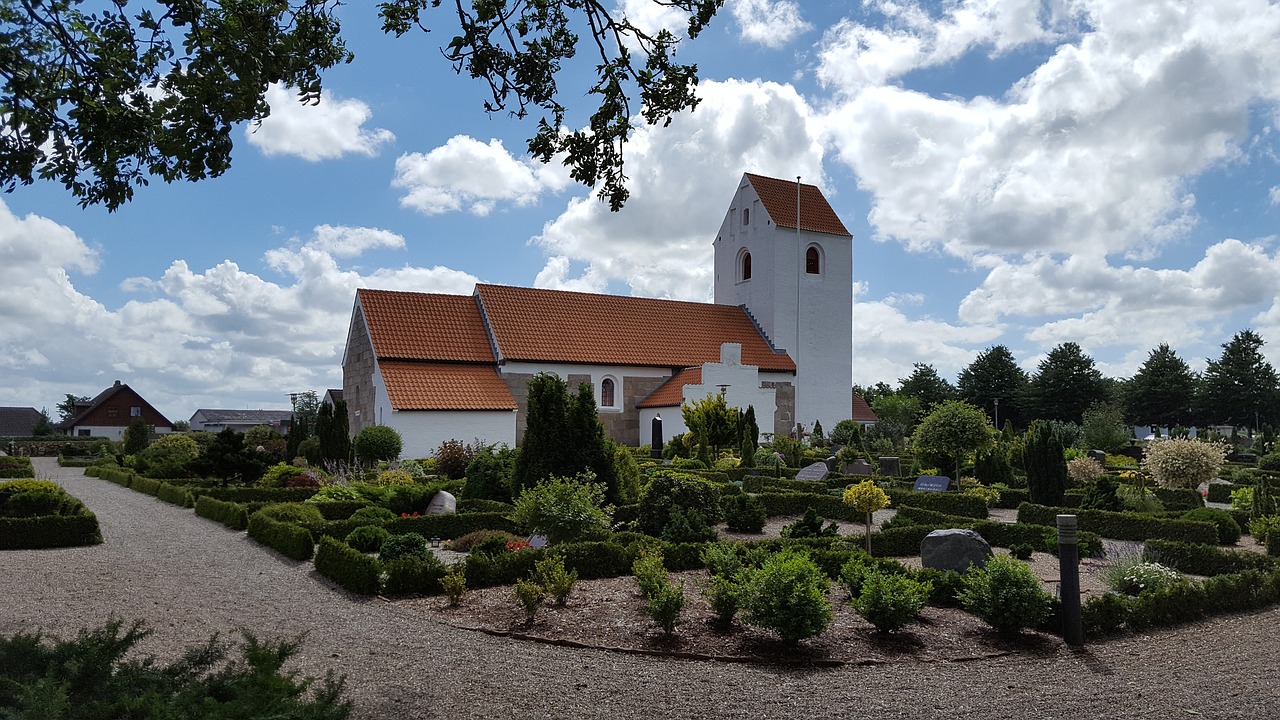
(778, 337)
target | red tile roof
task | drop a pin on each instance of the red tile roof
(862, 412)
(444, 386)
(779, 198)
(671, 392)
(571, 327)
(425, 326)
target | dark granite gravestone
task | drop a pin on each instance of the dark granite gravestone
(889, 467)
(832, 464)
(954, 550)
(816, 471)
(932, 483)
(858, 467)
(656, 451)
(1100, 456)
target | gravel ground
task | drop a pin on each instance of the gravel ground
(188, 578)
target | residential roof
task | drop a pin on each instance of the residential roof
(779, 199)
(425, 326)
(862, 412)
(243, 417)
(538, 325)
(18, 421)
(444, 386)
(104, 396)
(671, 392)
(334, 393)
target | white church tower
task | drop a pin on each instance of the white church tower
(795, 277)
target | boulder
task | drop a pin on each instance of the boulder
(954, 549)
(442, 504)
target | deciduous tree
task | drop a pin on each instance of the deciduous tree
(105, 98)
(953, 430)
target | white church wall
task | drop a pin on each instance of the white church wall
(422, 431)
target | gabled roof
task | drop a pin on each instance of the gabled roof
(243, 417)
(537, 325)
(444, 386)
(425, 326)
(106, 395)
(18, 421)
(862, 412)
(779, 199)
(671, 392)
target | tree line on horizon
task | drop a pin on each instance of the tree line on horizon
(1239, 388)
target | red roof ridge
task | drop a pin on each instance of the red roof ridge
(779, 199)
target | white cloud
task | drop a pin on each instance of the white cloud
(887, 342)
(652, 17)
(330, 129)
(189, 338)
(466, 173)
(1274, 195)
(769, 23)
(1091, 153)
(681, 179)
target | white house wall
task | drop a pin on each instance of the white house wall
(422, 431)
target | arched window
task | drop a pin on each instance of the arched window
(812, 262)
(606, 393)
(746, 266)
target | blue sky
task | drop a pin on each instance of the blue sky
(1013, 172)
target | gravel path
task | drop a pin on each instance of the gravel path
(188, 578)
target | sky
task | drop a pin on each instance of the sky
(1105, 172)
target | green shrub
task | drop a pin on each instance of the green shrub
(368, 538)
(529, 596)
(289, 539)
(454, 457)
(687, 527)
(1045, 463)
(1206, 560)
(278, 474)
(372, 514)
(788, 594)
(665, 606)
(1265, 529)
(1138, 576)
(101, 674)
(591, 560)
(558, 582)
(1006, 594)
(337, 493)
(564, 509)
(744, 513)
(412, 573)
(50, 531)
(175, 495)
(488, 506)
(1124, 525)
(146, 486)
(891, 601)
(300, 513)
(404, 545)
(1021, 551)
(1183, 462)
(347, 566)
(951, 503)
(1228, 528)
(723, 594)
(454, 584)
(810, 525)
(650, 573)
(667, 490)
(489, 541)
(501, 569)
(36, 503)
(377, 442)
(230, 514)
(1104, 614)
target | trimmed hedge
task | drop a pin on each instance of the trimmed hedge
(1123, 525)
(49, 531)
(1220, 492)
(76, 462)
(1180, 498)
(232, 515)
(175, 495)
(951, 503)
(145, 485)
(350, 568)
(414, 575)
(340, 509)
(445, 527)
(1011, 498)
(16, 467)
(288, 539)
(1207, 560)
(1043, 538)
(1182, 602)
(257, 494)
(475, 505)
(119, 476)
(828, 506)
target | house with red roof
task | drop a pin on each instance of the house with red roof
(111, 412)
(437, 367)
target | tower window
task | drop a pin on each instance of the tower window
(746, 216)
(812, 263)
(746, 266)
(606, 392)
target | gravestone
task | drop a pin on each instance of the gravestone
(832, 464)
(537, 541)
(932, 483)
(442, 504)
(1100, 456)
(954, 550)
(858, 467)
(889, 467)
(656, 433)
(816, 471)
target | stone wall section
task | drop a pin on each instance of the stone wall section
(784, 417)
(624, 426)
(357, 374)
